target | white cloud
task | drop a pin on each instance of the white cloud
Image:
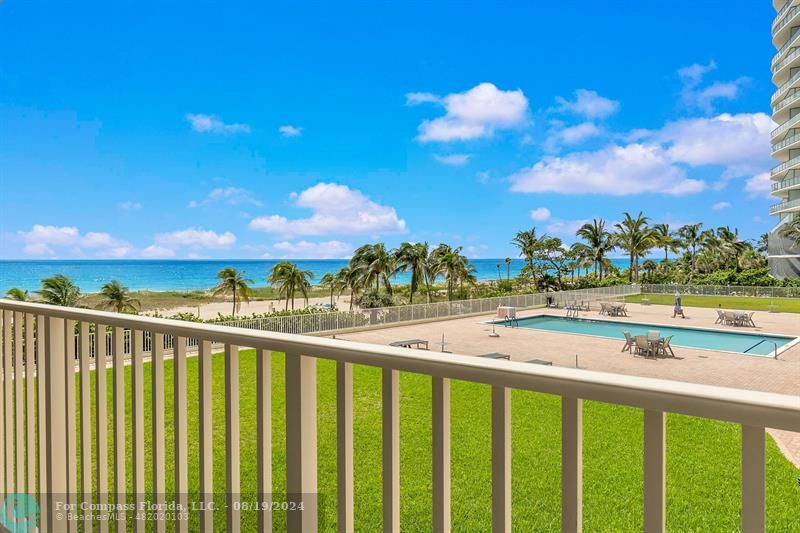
(46, 240)
(195, 238)
(475, 251)
(759, 186)
(738, 142)
(588, 104)
(570, 135)
(212, 124)
(473, 114)
(540, 213)
(613, 170)
(127, 206)
(721, 205)
(287, 130)
(313, 250)
(565, 227)
(695, 96)
(228, 195)
(421, 98)
(455, 160)
(336, 209)
(153, 251)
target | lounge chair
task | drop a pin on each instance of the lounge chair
(664, 346)
(720, 317)
(630, 342)
(642, 345)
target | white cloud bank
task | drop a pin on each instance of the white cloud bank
(336, 209)
(229, 196)
(472, 114)
(313, 250)
(540, 213)
(195, 238)
(212, 124)
(695, 95)
(454, 160)
(721, 205)
(44, 240)
(588, 104)
(659, 161)
(287, 130)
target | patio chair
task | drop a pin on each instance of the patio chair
(642, 345)
(749, 319)
(630, 342)
(653, 335)
(622, 310)
(603, 308)
(664, 346)
(720, 317)
(730, 318)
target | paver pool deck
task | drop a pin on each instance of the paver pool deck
(469, 337)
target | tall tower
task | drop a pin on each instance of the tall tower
(784, 260)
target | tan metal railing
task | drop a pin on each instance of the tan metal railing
(37, 343)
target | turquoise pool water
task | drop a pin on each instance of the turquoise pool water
(745, 343)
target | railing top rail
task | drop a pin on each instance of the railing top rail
(733, 405)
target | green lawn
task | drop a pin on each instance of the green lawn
(785, 305)
(703, 461)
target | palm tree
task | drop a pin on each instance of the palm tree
(375, 264)
(792, 232)
(691, 238)
(731, 245)
(329, 281)
(17, 294)
(762, 244)
(527, 242)
(599, 242)
(413, 258)
(452, 265)
(233, 282)
(508, 269)
(115, 296)
(665, 239)
(636, 238)
(60, 290)
(288, 278)
(346, 278)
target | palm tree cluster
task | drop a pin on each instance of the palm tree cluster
(373, 266)
(703, 250)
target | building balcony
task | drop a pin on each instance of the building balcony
(786, 185)
(783, 128)
(792, 41)
(785, 207)
(783, 167)
(780, 32)
(790, 84)
(782, 69)
(782, 6)
(53, 352)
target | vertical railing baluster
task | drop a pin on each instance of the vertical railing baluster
(86, 422)
(301, 441)
(5, 345)
(8, 401)
(440, 425)
(501, 459)
(181, 435)
(72, 453)
(159, 474)
(344, 445)
(654, 471)
(206, 437)
(264, 436)
(54, 359)
(753, 479)
(101, 424)
(118, 369)
(30, 404)
(137, 384)
(41, 414)
(571, 464)
(232, 473)
(19, 413)
(391, 450)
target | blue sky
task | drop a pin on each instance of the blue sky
(236, 130)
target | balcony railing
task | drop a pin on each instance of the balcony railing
(783, 166)
(789, 17)
(785, 184)
(787, 60)
(777, 95)
(783, 128)
(788, 44)
(38, 352)
(779, 15)
(788, 141)
(784, 206)
(789, 100)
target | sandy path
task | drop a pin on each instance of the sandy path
(211, 310)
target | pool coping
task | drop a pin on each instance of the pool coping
(794, 342)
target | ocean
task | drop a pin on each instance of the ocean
(185, 275)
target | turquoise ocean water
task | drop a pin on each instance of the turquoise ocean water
(160, 275)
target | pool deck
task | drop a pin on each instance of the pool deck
(468, 336)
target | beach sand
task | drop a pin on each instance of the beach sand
(211, 310)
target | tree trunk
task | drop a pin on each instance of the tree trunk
(234, 302)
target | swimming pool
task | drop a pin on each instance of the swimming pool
(724, 341)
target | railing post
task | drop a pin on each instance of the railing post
(344, 445)
(264, 436)
(181, 430)
(101, 422)
(753, 479)
(232, 467)
(654, 471)
(157, 388)
(120, 457)
(137, 384)
(391, 450)
(571, 464)
(440, 425)
(7, 456)
(501, 459)
(55, 361)
(30, 419)
(301, 441)
(206, 437)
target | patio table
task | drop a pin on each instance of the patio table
(496, 355)
(418, 343)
